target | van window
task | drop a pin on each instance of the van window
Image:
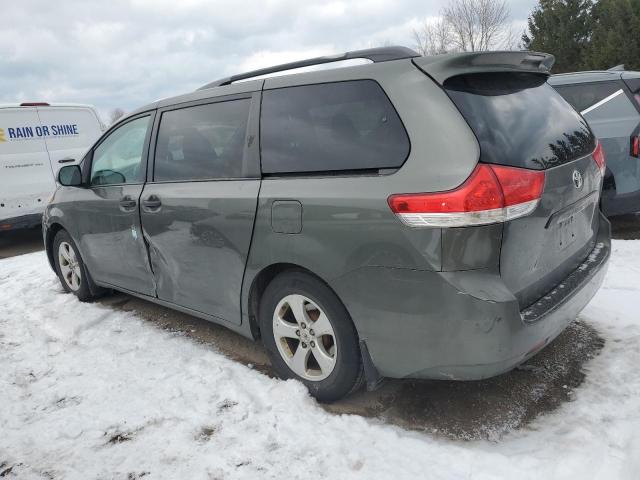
(204, 142)
(520, 120)
(583, 95)
(633, 84)
(118, 158)
(336, 126)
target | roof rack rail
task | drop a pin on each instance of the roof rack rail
(376, 55)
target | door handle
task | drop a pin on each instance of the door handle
(66, 160)
(152, 203)
(127, 204)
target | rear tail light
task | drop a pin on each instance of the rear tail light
(492, 194)
(635, 147)
(598, 156)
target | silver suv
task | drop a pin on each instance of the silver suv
(610, 102)
(425, 217)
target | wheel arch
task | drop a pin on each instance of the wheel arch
(259, 285)
(50, 234)
(370, 374)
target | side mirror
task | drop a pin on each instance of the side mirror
(70, 176)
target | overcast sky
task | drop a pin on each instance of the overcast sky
(126, 53)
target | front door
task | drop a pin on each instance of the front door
(198, 213)
(106, 214)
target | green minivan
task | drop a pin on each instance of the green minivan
(423, 217)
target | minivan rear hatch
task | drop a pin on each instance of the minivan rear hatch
(521, 121)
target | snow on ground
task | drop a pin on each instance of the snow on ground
(87, 392)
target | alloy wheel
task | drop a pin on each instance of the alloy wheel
(69, 266)
(304, 337)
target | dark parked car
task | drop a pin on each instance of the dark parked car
(610, 102)
(426, 217)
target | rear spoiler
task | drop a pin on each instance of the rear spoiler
(442, 67)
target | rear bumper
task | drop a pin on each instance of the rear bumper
(460, 325)
(23, 221)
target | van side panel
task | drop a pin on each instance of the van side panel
(346, 223)
(71, 131)
(26, 180)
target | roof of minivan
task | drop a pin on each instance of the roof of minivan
(18, 105)
(590, 76)
(252, 81)
(439, 67)
(235, 88)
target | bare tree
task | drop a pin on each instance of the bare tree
(478, 25)
(433, 38)
(469, 26)
(115, 115)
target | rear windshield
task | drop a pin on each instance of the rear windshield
(520, 120)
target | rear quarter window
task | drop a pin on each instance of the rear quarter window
(633, 84)
(584, 95)
(520, 120)
(330, 127)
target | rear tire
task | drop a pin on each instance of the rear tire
(70, 268)
(309, 336)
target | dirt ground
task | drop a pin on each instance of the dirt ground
(20, 242)
(464, 410)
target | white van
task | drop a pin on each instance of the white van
(36, 139)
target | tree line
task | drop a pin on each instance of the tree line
(582, 34)
(586, 34)
(466, 26)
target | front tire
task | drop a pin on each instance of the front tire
(70, 268)
(309, 336)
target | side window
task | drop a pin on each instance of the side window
(118, 158)
(633, 84)
(583, 95)
(202, 142)
(348, 125)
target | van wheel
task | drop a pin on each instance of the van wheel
(309, 336)
(70, 267)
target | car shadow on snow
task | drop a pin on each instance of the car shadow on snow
(484, 409)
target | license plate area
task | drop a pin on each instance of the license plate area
(573, 222)
(566, 231)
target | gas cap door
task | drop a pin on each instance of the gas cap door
(286, 216)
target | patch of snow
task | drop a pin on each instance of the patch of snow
(88, 392)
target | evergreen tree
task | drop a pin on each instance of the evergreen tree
(616, 35)
(562, 28)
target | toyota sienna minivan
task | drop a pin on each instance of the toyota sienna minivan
(423, 217)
